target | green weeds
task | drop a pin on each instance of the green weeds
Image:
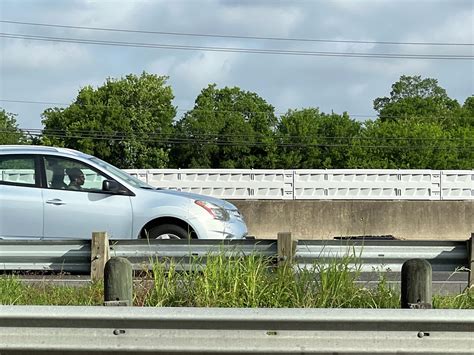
(238, 281)
(254, 281)
(14, 292)
(464, 300)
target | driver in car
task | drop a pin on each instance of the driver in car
(76, 178)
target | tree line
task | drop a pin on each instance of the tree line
(131, 123)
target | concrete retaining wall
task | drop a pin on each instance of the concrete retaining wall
(315, 219)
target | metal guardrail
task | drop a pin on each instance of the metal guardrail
(46, 329)
(64, 255)
(380, 255)
(385, 255)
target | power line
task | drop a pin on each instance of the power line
(189, 34)
(218, 138)
(219, 111)
(86, 132)
(237, 50)
(195, 142)
(35, 102)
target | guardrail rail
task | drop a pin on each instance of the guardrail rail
(46, 329)
(367, 255)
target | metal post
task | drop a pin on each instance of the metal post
(118, 286)
(416, 284)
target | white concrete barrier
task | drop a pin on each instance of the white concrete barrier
(313, 184)
(317, 184)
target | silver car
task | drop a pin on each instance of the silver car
(58, 193)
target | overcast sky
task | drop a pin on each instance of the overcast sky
(54, 72)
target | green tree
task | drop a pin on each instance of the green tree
(419, 127)
(299, 139)
(408, 144)
(469, 106)
(9, 131)
(227, 128)
(412, 97)
(466, 118)
(126, 121)
(313, 140)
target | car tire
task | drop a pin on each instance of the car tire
(169, 231)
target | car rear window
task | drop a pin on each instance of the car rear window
(17, 170)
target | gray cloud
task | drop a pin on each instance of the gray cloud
(42, 71)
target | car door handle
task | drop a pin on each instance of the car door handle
(56, 202)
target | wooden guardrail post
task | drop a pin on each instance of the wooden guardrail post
(99, 255)
(118, 284)
(286, 246)
(416, 285)
(470, 261)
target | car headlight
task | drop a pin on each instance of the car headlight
(235, 214)
(215, 211)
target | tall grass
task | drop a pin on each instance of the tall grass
(464, 300)
(14, 292)
(254, 281)
(220, 281)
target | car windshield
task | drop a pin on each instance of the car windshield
(121, 174)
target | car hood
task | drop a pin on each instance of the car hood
(222, 203)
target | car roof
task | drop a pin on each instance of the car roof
(39, 149)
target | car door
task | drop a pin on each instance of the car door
(76, 210)
(21, 201)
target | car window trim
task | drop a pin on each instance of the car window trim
(42, 170)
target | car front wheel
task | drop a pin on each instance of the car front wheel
(169, 231)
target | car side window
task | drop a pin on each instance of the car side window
(17, 170)
(69, 174)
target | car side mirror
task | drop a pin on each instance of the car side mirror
(110, 186)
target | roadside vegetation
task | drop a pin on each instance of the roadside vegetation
(251, 281)
(132, 123)
(13, 291)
